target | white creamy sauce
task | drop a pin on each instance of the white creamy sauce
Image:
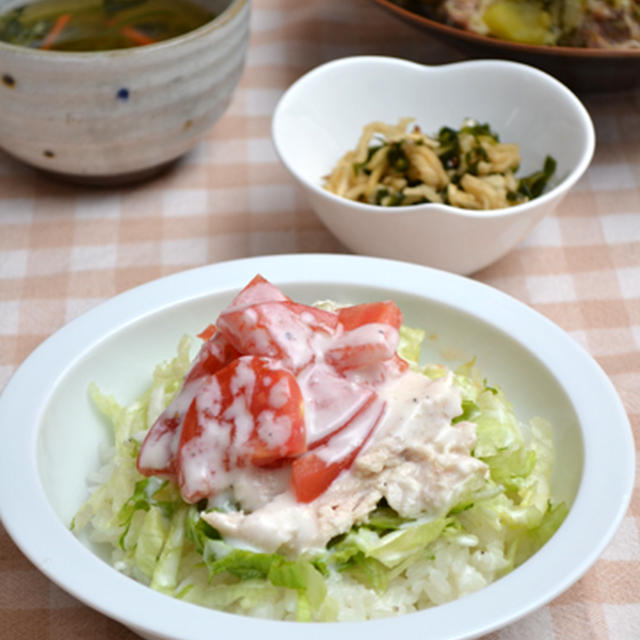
(202, 478)
(163, 446)
(419, 460)
(353, 435)
(358, 398)
(273, 430)
(244, 377)
(415, 458)
(278, 393)
(255, 487)
(330, 400)
(300, 340)
(372, 333)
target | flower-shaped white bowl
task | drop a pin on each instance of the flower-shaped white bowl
(52, 434)
(321, 116)
(112, 116)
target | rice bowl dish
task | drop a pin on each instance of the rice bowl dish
(593, 470)
(305, 466)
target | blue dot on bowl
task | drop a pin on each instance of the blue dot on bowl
(123, 94)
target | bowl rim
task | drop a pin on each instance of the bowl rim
(498, 43)
(567, 182)
(232, 10)
(571, 551)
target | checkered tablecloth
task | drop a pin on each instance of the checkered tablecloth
(65, 248)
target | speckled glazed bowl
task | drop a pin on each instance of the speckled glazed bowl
(116, 115)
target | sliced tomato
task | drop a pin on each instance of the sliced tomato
(249, 412)
(370, 335)
(157, 454)
(277, 408)
(376, 374)
(214, 354)
(202, 465)
(284, 330)
(330, 401)
(257, 291)
(208, 332)
(313, 473)
(369, 313)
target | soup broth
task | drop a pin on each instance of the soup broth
(100, 25)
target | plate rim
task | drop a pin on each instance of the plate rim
(589, 53)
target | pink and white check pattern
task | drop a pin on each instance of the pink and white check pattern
(65, 248)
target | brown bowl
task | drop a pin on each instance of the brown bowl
(582, 69)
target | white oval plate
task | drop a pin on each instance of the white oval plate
(51, 434)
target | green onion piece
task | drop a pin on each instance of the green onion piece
(533, 185)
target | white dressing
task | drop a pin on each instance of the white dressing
(416, 459)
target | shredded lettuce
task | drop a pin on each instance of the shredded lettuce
(167, 565)
(162, 541)
(390, 549)
(155, 537)
(514, 505)
(410, 343)
(520, 459)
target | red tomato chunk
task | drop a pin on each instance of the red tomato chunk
(276, 383)
(250, 412)
(314, 472)
(284, 330)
